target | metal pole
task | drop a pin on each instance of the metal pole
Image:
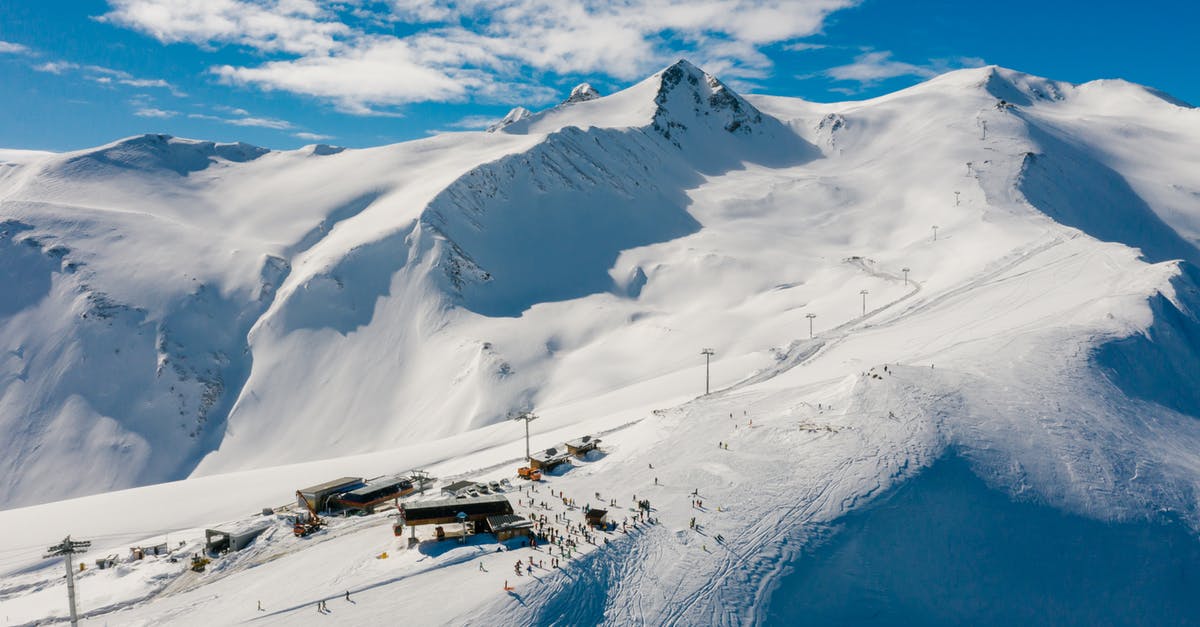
(708, 353)
(935, 233)
(526, 416)
(66, 549)
(905, 271)
(810, 324)
(864, 295)
(71, 587)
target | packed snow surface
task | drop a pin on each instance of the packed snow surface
(992, 263)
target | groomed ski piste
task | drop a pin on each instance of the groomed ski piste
(385, 310)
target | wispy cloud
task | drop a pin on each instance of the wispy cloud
(107, 76)
(271, 123)
(478, 50)
(152, 112)
(8, 47)
(232, 110)
(472, 122)
(872, 67)
(316, 137)
(800, 46)
(55, 67)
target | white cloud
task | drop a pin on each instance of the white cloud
(55, 67)
(8, 47)
(470, 49)
(316, 137)
(232, 110)
(474, 122)
(271, 123)
(151, 112)
(871, 67)
(295, 26)
(106, 76)
(801, 46)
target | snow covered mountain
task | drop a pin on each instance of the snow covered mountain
(1021, 253)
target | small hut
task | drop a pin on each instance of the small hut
(509, 526)
(582, 446)
(548, 459)
(596, 517)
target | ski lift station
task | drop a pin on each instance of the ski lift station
(366, 497)
(442, 511)
(316, 498)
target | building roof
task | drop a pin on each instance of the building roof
(332, 485)
(432, 503)
(243, 527)
(596, 513)
(458, 485)
(550, 454)
(475, 506)
(508, 522)
(382, 484)
(586, 440)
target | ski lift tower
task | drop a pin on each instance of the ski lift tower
(708, 353)
(66, 549)
(527, 417)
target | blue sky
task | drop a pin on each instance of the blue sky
(284, 73)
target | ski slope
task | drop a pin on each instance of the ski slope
(326, 312)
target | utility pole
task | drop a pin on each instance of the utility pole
(956, 198)
(810, 319)
(66, 549)
(708, 353)
(935, 228)
(864, 295)
(527, 417)
(905, 271)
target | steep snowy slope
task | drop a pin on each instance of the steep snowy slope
(1027, 250)
(138, 271)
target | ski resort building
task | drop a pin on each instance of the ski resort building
(442, 511)
(582, 446)
(234, 538)
(316, 497)
(548, 459)
(365, 498)
(509, 526)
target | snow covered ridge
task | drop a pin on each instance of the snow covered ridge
(189, 289)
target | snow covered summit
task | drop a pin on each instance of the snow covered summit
(582, 93)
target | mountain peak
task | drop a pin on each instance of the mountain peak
(515, 115)
(688, 95)
(582, 93)
(156, 151)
